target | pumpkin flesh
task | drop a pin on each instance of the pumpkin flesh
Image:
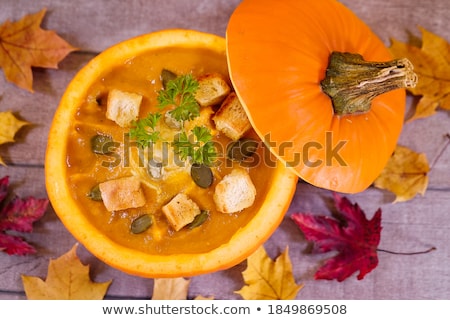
(283, 49)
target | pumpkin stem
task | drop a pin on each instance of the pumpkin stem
(352, 83)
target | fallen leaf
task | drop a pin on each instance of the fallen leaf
(67, 279)
(203, 298)
(24, 44)
(9, 125)
(267, 279)
(406, 174)
(354, 237)
(170, 289)
(18, 215)
(432, 67)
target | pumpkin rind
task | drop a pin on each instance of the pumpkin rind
(278, 52)
(241, 244)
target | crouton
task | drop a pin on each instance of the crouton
(212, 89)
(234, 192)
(122, 193)
(123, 107)
(231, 118)
(180, 211)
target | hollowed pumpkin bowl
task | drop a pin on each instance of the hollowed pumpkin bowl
(71, 169)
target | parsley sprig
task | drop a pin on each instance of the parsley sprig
(198, 146)
(143, 130)
(180, 92)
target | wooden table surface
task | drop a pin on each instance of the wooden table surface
(93, 26)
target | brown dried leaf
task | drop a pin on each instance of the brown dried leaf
(267, 279)
(23, 44)
(67, 279)
(432, 67)
(406, 174)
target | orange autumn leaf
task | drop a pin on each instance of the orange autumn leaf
(267, 279)
(67, 279)
(9, 125)
(432, 67)
(406, 174)
(23, 44)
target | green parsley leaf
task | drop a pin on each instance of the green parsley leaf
(198, 146)
(143, 130)
(180, 92)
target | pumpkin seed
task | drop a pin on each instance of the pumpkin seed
(100, 144)
(141, 223)
(166, 76)
(172, 122)
(95, 194)
(199, 219)
(241, 149)
(202, 175)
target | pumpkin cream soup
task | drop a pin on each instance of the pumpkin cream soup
(162, 157)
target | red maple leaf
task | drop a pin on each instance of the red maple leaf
(354, 237)
(18, 214)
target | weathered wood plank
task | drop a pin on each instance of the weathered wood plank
(400, 19)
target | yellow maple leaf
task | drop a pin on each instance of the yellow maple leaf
(267, 279)
(433, 70)
(170, 289)
(9, 125)
(204, 298)
(23, 44)
(406, 174)
(67, 279)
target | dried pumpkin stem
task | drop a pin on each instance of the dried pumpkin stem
(352, 83)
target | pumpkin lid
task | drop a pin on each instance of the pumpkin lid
(278, 54)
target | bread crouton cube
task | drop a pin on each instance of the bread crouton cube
(234, 192)
(180, 211)
(212, 89)
(231, 118)
(123, 107)
(122, 193)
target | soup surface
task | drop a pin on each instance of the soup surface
(87, 169)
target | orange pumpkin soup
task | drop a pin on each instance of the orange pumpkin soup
(87, 169)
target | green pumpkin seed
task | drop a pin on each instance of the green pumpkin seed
(199, 219)
(155, 169)
(101, 144)
(241, 149)
(95, 194)
(166, 76)
(202, 175)
(141, 223)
